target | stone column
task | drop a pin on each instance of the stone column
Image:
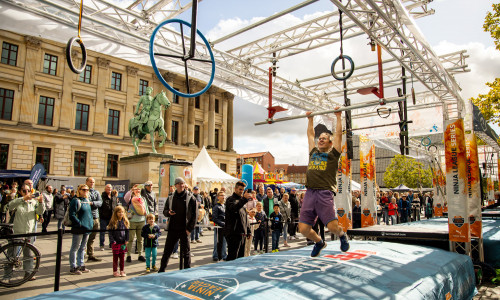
(224, 124)
(102, 83)
(169, 78)
(132, 90)
(205, 106)
(191, 115)
(185, 112)
(230, 99)
(28, 102)
(211, 118)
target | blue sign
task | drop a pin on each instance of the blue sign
(37, 171)
(247, 175)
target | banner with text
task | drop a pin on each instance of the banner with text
(343, 200)
(473, 186)
(367, 181)
(456, 181)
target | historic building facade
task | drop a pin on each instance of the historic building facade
(77, 125)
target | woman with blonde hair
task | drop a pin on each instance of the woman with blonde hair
(137, 212)
(81, 218)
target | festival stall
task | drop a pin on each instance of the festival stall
(207, 175)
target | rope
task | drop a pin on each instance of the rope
(341, 37)
(80, 19)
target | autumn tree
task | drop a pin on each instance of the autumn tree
(489, 104)
(406, 170)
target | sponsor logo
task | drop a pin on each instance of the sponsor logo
(458, 221)
(472, 219)
(216, 288)
(366, 212)
(438, 205)
(340, 212)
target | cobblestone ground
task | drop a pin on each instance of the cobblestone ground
(101, 272)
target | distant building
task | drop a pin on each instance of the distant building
(265, 159)
(296, 174)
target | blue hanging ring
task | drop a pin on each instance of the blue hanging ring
(155, 67)
(350, 71)
(426, 141)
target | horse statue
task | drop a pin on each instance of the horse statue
(149, 121)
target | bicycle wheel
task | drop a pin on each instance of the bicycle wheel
(19, 262)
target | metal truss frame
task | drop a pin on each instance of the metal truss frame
(244, 66)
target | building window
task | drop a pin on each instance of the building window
(80, 163)
(4, 156)
(223, 167)
(216, 106)
(216, 142)
(143, 84)
(50, 64)
(116, 81)
(175, 132)
(43, 157)
(197, 135)
(112, 169)
(197, 102)
(82, 117)
(113, 121)
(175, 97)
(6, 100)
(9, 54)
(45, 111)
(86, 75)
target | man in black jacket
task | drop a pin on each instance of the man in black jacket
(105, 212)
(236, 228)
(180, 208)
(294, 203)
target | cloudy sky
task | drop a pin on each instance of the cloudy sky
(456, 25)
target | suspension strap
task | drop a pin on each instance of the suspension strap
(80, 20)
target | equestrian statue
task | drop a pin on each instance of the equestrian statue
(148, 120)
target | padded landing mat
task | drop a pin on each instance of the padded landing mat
(370, 270)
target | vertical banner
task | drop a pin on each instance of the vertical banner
(367, 178)
(439, 195)
(491, 190)
(456, 181)
(473, 186)
(343, 200)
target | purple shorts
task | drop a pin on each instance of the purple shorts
(318, 203)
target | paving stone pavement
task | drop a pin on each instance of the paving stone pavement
(101, 272)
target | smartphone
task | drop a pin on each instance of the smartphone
(35, 195)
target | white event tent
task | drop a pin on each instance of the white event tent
(208, 175)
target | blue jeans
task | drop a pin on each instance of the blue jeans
(77, 251)
(224, 246)
(285, 231)
(150, 253)
(103, 224)
(60, 224)
(176, 247)
(195, 234)
(275, 239)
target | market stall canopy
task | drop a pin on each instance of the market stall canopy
(206, 173)
(483, 130)
(258, 169)
(401, 188)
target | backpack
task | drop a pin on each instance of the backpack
(67, 220)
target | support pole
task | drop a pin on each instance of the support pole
(330, 111)
(57, 272)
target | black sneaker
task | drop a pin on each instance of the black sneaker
(83, 269)
(141, 258)
(317, 248)
(129, 259)
(93, 258)
(344, 243)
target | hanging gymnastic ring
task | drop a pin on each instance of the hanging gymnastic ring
(335, 62)
(432, 147)
(155, 67)
(381, 110)
(68, 55)
(426, 141)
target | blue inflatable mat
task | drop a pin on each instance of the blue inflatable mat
(370, 270)
(491, 236)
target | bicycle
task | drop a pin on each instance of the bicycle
(19, 260)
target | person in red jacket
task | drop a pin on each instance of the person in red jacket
(393, 209)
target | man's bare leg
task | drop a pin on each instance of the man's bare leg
(334, 228)
(308, 232)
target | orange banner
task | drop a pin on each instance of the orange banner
(343, 199)
(368, 182)
(456, 181)
(473, 185)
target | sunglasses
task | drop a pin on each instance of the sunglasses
(84, 190)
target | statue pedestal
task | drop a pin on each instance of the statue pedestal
(143, 167)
